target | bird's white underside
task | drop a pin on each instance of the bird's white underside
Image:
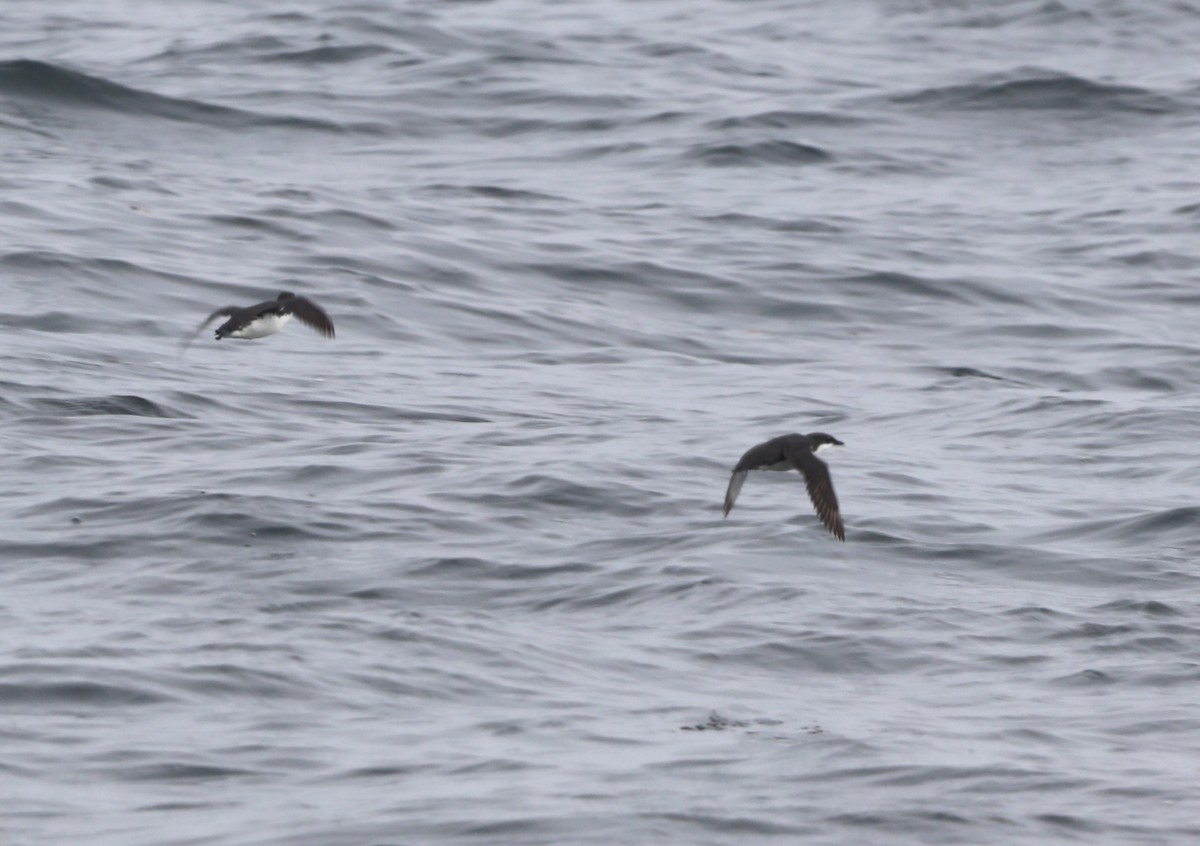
(779, 465)
(261, 327)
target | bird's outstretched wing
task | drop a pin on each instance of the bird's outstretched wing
(735, 487)
(228, 311)
(311, 314)
(820, 489)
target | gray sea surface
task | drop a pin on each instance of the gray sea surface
(460, 576)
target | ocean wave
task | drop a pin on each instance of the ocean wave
(786, 119)
(42, 83)
(131, 406)
(777, 152)
(1037, 89)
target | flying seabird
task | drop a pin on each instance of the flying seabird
(794, 452)
(258, 321)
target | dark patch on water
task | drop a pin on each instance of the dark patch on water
(716, 722)
(785, 119)
(131, 406)
(967, 373)
(1148, 608)
(1035, 89)
(329, 55)
(759, 153)
(75, 694)
(42, 84)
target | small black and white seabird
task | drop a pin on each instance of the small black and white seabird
(263, 319)
(794, 452)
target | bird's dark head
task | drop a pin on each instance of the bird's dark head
(820, 441)
(286, 295)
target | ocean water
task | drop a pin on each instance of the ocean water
(461, 576)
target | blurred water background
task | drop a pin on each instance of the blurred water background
(460, 576)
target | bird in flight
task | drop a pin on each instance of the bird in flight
(794, 452)
(263, 319)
